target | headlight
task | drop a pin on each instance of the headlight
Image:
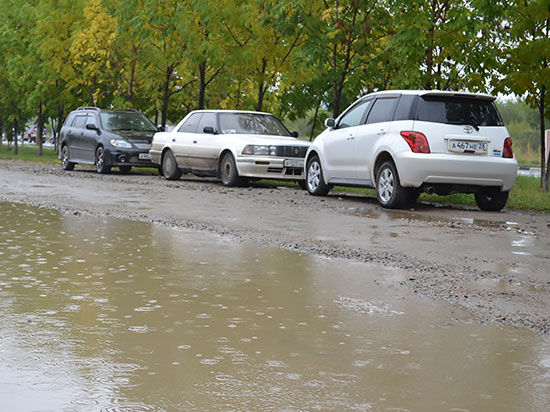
(260, 150)
(122, 144)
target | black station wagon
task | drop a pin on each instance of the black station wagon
(106, 138)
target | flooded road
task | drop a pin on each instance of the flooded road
(113, 315)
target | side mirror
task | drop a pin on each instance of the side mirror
(91, 126)
(161, 128)
(294, 134)
(208, 129)
(330, 122)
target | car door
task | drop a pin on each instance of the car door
(376, 127)
(182, 140)
(205, 147)
(89, 138)
(76, 133)
(339, 143)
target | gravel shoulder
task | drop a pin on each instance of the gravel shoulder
(496, 265)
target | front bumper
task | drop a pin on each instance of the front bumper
(416, 169)
(266, 167)
(128, 157)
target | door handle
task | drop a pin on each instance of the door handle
(81, 133)
(173, 140)
(195, 141)
(382, 131)
(350, 137)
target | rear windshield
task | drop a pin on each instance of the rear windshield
(126, 121)
(251, 123)
(457, 110)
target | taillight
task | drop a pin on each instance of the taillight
(417, 141)
(507, 151)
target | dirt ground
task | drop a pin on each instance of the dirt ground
(497, 265)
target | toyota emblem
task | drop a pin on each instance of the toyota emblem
(468, 129)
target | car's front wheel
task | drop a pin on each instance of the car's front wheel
(315, 182)
(66, 164)
(228, 171)
(170, 169)
(101, 165)
(490, 199)
(389, 192)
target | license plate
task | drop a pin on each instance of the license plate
(294, 163)
(144, 156)
(467, 146)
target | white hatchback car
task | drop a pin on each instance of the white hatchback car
(409, 141)
(231, 145)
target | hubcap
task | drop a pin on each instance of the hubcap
(313, 176)
(227, 170)
(99, 160)
(385, 185)
(168, 167)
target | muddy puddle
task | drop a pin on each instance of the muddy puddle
(104, 314)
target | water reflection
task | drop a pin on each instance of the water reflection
(107, 314)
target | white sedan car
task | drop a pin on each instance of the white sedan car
(231, 145)
(406, 142)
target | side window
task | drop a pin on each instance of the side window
(382, 110)
(69, 120)
(190, 125)
(404, 109)
(79, 122)
(207, 119)
(354, 116)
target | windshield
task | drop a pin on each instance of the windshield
(458, 110)
(134, 121)
(251, 123)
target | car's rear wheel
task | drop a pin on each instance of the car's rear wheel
(101, 165)
(315, 182)
(389, 192)
(491, 199)
(125, 169)
(66, 164)
(170, 169)
(228, 171)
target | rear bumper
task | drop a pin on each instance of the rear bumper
(270, 167)
(416, 169)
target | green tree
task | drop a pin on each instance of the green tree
(526, 62)
(91, 51)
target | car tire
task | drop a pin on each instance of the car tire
(315, 182)
(229, 175)
(170, 169)
(490, 199)
(302, 184)
(389, 192)
(66, 164)
(100, 164)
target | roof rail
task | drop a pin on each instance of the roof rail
(89, 108)
(124, 109)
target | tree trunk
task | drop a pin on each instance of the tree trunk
(58, 126)
(40, 128)
(262, 88)
(313, 124)
(202, 86)
(15, 145)
(543, 160)
(165, 96)
(337, 96)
